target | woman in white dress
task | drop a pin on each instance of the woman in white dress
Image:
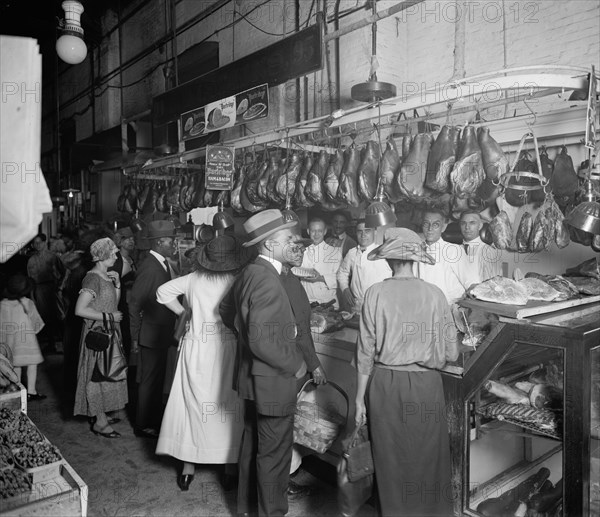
(203, 420)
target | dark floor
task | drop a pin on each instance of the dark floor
(126, 478)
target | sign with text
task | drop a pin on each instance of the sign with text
(252, 104)
(219, 167)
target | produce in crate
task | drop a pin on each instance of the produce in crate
(8, 377)
(501, 290)
(14, 482)
(36, 454)
(441, 159)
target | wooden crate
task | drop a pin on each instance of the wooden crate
(15, 399)
(65, 494)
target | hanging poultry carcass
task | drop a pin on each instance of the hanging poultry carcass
(348, 177)
(467, 174)
(286, 184)
(441, 159)
(413, 171)
(331, 182)
(314, 183)
(390, 162)
(300, 200)
(564, 179)
(367, 172)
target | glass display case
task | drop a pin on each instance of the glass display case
(524, 418)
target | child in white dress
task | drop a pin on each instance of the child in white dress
(20, 321)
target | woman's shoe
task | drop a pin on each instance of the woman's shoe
(111, 421)
(183, 481)
(112, 434)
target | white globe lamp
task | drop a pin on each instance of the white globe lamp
(70, 47)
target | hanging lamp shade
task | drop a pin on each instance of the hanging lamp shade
(70, 46)
(586, 215)
(289, 216)
(379, 213)
(222, 220)
(174, 218)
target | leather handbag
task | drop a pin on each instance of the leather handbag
(356, 491)
(111, 365)
(99, 336)
(358, 454)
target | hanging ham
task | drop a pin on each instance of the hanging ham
(248, 204)
(495, 162)
(564, 179)
(253, 182)
(286, 184)
(441, 159)
(367, 172)
(390, 162)
(331, 182)
(263, 181)
(143, 195)
(149, 206)
(122, 197)
(347, 190)
(413, 171)
(314, 184)
(236, 203)
(541, 233)
(199, 191)
(501, 229)
(524, 232)
(173, 193)
(406, 143)
(467, 174)
(274, 175)
(300, 200)
(547, 164)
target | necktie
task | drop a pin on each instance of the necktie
(169, 270)
(466, 246)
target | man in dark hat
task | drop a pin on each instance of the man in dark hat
(268, 364)
(152, 326)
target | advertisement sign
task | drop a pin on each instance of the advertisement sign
(219, 167)
(252, 104)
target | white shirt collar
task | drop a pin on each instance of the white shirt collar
(476, 240)
(160, 258)
(276, 264)
(370, 247)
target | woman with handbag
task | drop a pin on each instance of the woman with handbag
(102, 373)
(406, 334)
(203, 420)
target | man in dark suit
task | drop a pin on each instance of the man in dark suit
(267, 365)
(152, 325)
(339, 238)
(302, 312)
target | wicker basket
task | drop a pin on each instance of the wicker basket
(316, 427)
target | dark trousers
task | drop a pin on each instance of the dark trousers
(409, 438)
(151, 378)
(264, 462)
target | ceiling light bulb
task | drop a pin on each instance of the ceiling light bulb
(70, 47)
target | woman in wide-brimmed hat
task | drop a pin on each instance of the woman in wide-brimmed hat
(19, 324)
(406, 334)
(201, 423)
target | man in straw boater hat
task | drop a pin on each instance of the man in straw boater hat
(268, 364)
(152, 325)
(406, 335)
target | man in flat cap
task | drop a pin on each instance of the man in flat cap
(268, 363)
(152, 326)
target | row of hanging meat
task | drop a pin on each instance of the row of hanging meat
(180, 194)
(457, 171)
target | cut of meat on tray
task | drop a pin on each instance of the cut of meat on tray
(586, 284)
(543, 418)
(589, 268)
(567, 289)
(539, 290)
(501, 290)
(507, 393)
